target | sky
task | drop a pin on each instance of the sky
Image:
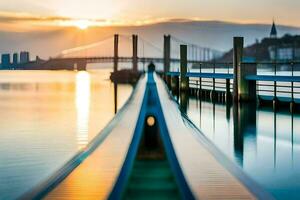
(28, 14)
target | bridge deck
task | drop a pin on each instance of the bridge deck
(208, 179)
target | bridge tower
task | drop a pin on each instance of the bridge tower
(135, 53)
(116, 52)
(167, 53)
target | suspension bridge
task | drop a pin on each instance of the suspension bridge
(128, 49)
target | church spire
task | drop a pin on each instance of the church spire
(273, 33)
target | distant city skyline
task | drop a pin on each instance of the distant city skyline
(31, 14)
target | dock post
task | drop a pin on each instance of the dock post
(135, 53)
(292, 103)
(213, 92)
(116, 52)
(167, 57)
(228, 93)
(184, 99)
(167, 53)
(200, 81)
(184, 80)
(168, 80)
(292, 106)
(238, 45)
(175, 84)
(246, 88)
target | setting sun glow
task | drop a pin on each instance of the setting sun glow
(82, 24)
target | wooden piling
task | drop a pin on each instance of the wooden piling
(228, 93)
(213, 92)
(184, 99)
(168, 81)
(200, 80)
(246, 89)
(238, 45)
(135, 53)
(116, 52)
(167, 53)
(175, 84)
(184, 80)
(292, 107)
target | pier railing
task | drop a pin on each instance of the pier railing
(279, 78)
(217, 70)
(241, 81)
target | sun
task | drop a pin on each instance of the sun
(82, 24)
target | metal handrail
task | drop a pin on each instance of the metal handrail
(220, 86)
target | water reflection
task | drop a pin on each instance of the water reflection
(184, 101)
(116, 97)
(45, 116)
(83, 92)
(265, 144)
(244, 122)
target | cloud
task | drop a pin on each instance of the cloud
(16, 21)
(11, 17)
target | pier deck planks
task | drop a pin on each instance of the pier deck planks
(207, 178)
(95, 177)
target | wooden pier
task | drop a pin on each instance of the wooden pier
(94, 172)
(240, 85)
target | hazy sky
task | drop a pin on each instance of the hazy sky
(142, 11)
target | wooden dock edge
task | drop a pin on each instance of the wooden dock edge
(229, 165)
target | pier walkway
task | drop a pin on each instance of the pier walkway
(95, 177)
(93, 173)
(201, 162)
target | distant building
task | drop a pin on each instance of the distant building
(5, 60)
(273, 33)
(24, 57)
(15, 59)
(282, 53)
(285, 48)
(271, 48)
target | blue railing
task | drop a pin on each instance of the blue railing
(273, 79)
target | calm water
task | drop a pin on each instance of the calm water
(265, 144)
(45, 118)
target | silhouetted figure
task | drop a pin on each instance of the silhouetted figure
(151, 67)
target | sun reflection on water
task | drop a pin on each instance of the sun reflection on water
(83, 92)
